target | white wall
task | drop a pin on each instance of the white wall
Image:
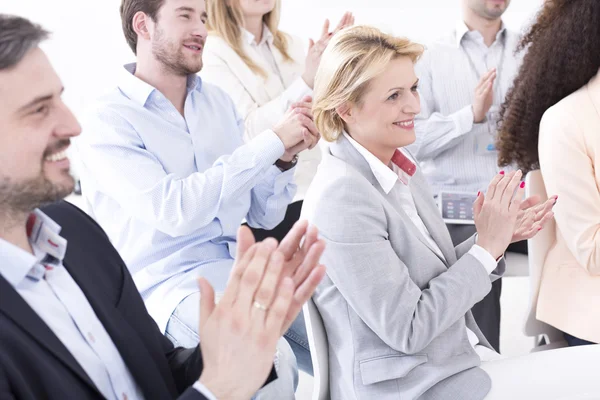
(420, 20)
(87, 47)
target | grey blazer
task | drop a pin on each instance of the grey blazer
(395, 313)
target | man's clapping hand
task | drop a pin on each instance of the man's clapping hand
(268, 285)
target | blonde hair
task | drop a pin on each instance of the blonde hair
(352, 59)
(226, 20)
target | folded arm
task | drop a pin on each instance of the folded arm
(123, 168)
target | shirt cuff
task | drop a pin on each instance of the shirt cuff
(281, 180)
(463, 119)
(204, 390)
(267, 147)
(297, 90)
(485, 258)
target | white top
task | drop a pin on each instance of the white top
(388, 177)
(262, 101)
(455, 153)
(264, 49)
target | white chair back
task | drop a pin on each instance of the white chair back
(538, 248)
(319, 350)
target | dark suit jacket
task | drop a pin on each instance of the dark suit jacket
(34, 364)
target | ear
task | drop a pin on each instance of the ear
(346, 112)
(140, 24)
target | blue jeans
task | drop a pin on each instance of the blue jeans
(182, 330)
(296, 335)
(298, 340)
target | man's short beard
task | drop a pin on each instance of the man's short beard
(23, 197)
(172, 60)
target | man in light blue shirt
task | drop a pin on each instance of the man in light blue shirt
(167, 175)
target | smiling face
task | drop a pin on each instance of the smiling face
(35, 131)
(178, 35)
(384, 118)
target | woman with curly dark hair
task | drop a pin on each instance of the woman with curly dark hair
(551, 121)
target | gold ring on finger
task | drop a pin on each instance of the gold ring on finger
(260, 306)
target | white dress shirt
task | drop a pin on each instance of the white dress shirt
(388, 177)
(455, 153)
(263, 48)
(48, 288)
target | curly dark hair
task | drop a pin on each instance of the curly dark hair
(563, 54)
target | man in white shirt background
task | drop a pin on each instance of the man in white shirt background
(463, 80)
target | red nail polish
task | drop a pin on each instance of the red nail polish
(522, 185)
(501, 172)
(478, 193)
(539, 229)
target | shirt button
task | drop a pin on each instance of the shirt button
(173, 114)
(91, 337)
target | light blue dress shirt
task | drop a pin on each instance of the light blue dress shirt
(171, 192)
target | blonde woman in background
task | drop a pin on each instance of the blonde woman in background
(397, 294)
(266, 71)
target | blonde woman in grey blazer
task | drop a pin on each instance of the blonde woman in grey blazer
(396, 298)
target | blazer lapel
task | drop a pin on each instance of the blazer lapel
(430, 216)
(260, 89)
(17, 309)
(344, 150)
(253, 84)
(135, 355)
(290, 70)
(395, 200)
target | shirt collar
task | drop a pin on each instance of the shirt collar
(139, 91)
(462, 29)
(46, 242)
(267, 36)
(404, 167)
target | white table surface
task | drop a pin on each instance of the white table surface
(570, 373)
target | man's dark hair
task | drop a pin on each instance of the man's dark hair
(129, 8)
(17, 36)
